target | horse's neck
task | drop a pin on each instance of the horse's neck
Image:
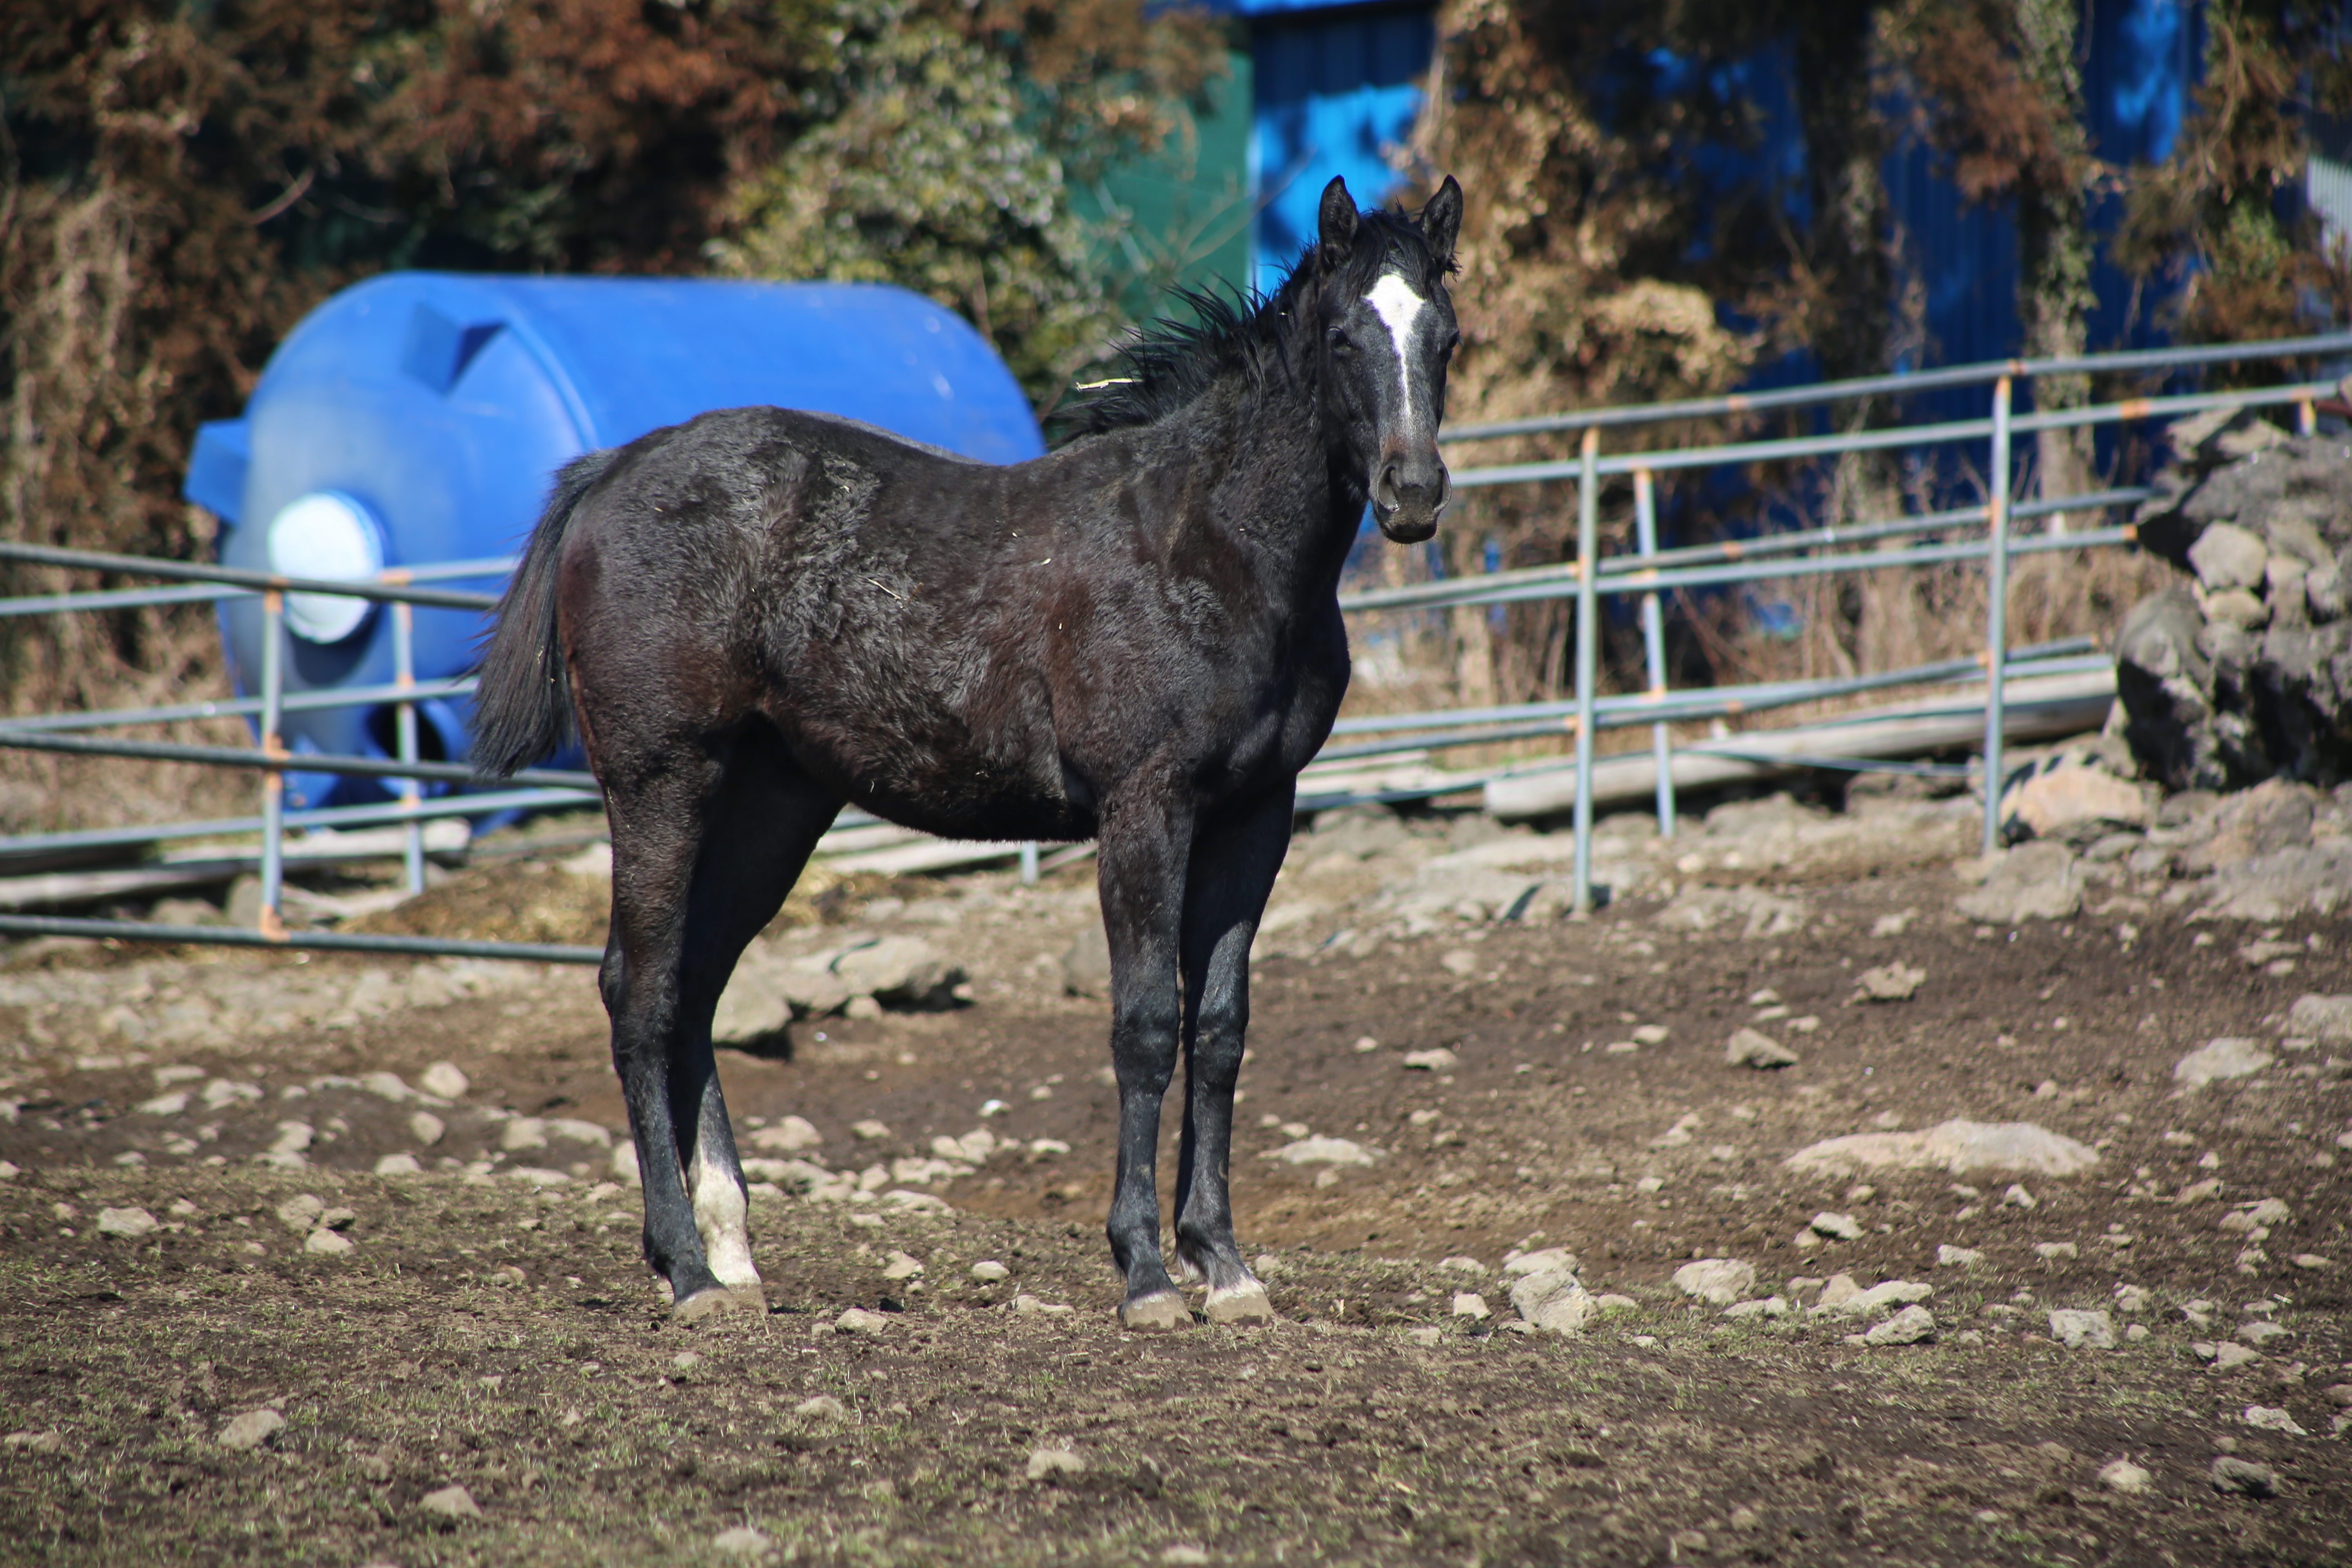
(1297, 508)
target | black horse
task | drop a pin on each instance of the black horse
(761, 614)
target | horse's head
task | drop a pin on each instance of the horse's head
(1388, 335)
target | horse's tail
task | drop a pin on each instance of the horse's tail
(522, 704)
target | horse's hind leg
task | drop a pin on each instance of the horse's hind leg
(757, 833)
(697, 871)
(1233, 870)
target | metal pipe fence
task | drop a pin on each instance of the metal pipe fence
(1646, 572)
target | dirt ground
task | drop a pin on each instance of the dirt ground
(483, 1320)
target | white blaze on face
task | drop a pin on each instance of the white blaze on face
(1398, 307)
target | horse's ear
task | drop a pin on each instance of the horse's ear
(1441, 221)
(1337, 223)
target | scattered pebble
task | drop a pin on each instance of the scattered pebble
(901, 1266)
(870, 1131)
(2265, 1418)
(300, 1214)
(988, 1271)
(1364, 1044)
(1718, 1281)
(450, 1503)
(1029, 1306)
(444, 1080)
(2017, 1198)
(2122, 1476)
(1556, 1302)
(1911, 1326)
(426, 1128)
(1890, 982)
(2051, 1251)
(326, 1243)
(1470, 1304)
(741, 1541)
(1324, 1152)
(2130, 1299)
(821, 1408)
(398, 1165)
(1462, 1265)
(2218, 1060)
(250, 1430)
(858, 1320)
(1762, 1307)
(129, 1223)
(1547, 1260)
(1047, 1463)
(1754, 1048)
(2243, 1476)
(1951, 1257)
(2081, 1330)
(1435, 1059)
(1837, 1226)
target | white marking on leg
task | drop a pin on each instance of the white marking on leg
(724, 1220)
(1398, 307)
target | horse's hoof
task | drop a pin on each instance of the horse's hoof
(1158, 1313)
(751, 1298)
(1241, 1304)
(705, 1302)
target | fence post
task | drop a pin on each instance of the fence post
(404, 675)
(1029, 862)
(1588, 643)
(271, 923)
(1653, 650)
(1996, 613)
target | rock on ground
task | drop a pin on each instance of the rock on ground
(1555, 1301)
(450, 1503)
(2033, 881)
(1913, 1325)
(1752, 1047)
(1959, 1146)
(1718, 1281)
(2232, 1474)
(250, 1430)
(2222, 1058)
(129, 1224)
(2081, 1330)
(2122, 1476)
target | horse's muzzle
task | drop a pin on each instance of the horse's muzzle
(1408, 495)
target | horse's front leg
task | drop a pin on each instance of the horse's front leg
(1145, 843)
(1233, 869)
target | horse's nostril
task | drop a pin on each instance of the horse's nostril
(1385, 491)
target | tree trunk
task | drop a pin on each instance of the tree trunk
(2054, 242)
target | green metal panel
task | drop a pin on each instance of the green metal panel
(1181, 216)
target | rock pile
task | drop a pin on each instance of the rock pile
(2246, 672)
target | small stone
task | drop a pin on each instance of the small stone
(792, 1135)
(1754, 1048)
(386, 1084)
(250, 1430)
(870, 1131)
(1555, 1302)
(2268, 1211)
(1435, 1059)
(1951, 1257)
(1762, 1307)
(988, 1271)
(298, 1214)
(858, 1320)
(1653, 1033)
(2268, 1418)
(2258, 1335)
(1890, 982)
(1028, 1306)
(2338, 1394)
(1047, 1463)
(901, 1266)
(741, 1541)
(450, 1503)
(398, 1165)
(2017, 1198)
(2122, 1476)
(2312, 1260)
(822, 1407)
(1718, 1281)
(2231, 1474)
(2052, 1251)
(129, 1224)
(2082, 1331)
(1837, 1226)
(1187, 1556)
(170, 1104)
(1324, 1152)
(1470, 1304)
(2218, 1060)
(326, 1243)
(2136, 1333)
(1910, 1326)
(444, 1080)
(1547, 1260)
(1426, 1335)
(2228, 1357)
(1462, 1265)
(2130, 1299)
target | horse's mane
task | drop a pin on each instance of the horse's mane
(1169, 364)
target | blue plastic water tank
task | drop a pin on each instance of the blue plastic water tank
(415, 419)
